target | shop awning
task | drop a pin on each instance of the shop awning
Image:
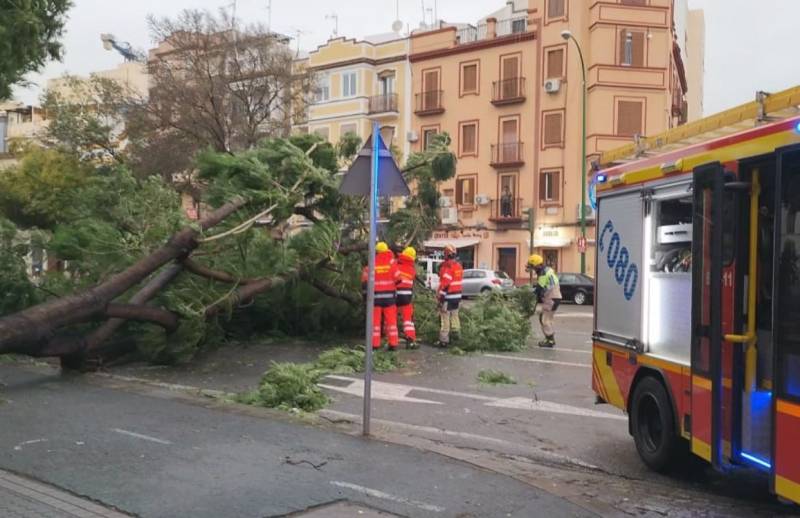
(458, 242)
(552, 242)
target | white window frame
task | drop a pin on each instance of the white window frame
(349, 84)
(323, 93)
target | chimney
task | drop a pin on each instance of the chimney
(491, 28)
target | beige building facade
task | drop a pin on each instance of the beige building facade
(509, 89)
(358, 82)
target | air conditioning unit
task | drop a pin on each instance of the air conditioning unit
(449, 216)
(445, 201)
(482, 199)
(590, 212)
(412, 136)
(552, 86)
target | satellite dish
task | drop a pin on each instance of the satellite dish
(397, 26)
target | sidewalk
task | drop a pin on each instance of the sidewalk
(24, 498)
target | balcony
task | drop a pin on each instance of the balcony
(508, 91)
(429, 103)
(507, 154)
(384, 103)
(506, 210)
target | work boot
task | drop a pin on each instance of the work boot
(393, 348)
(441, 345)
(411, 344)
(548, 343)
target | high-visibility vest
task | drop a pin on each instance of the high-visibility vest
(451, 274)
(405, 285)
(386, 277)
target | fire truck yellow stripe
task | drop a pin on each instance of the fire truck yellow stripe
(608, 380)
(702, 383)
(658, 363)
(787, 489)
(701, 449)
(788, 408)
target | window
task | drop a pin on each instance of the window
(634, 2)
(629, 118)
(349, 84)
(550, 187)
(344, 129)
(631, 49)
(567, 279)
(553, 129)
(555, 63)
(551, 258)
(469, 138)
(556, 8)
(387, 82)
(323, 91)
(465, 191)
(507, 195)
(519, 25)
(469, 78)
(427, 137)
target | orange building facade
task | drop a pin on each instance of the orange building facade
(508, 91)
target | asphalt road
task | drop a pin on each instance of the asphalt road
(160, 456)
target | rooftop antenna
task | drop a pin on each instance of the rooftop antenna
(424, 19)
(429, 12)
(269, 16)
(436, 12)
(335, 18)
(298, 33)
(397, 26)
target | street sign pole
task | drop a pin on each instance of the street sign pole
(373, 216)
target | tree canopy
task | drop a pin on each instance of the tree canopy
(29, 35)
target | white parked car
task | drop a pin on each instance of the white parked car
(477, 281)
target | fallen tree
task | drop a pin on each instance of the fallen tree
(192, 278)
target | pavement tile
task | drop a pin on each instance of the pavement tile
(25, 498)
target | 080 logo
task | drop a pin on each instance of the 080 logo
(618, 258)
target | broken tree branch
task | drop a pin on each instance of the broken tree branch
(166, 319)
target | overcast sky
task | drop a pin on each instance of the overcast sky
(748, 48)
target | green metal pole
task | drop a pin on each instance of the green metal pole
(531, 216)
(583, 156)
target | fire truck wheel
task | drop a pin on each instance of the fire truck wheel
(653, 424)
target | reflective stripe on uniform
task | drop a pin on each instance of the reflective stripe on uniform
(405, 292)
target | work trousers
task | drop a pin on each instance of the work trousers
(547, 317)
(407, 315)
(388, 316)
(449, 323)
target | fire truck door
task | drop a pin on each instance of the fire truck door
(786, 325)
(706, 429)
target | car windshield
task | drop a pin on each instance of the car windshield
(501, 275)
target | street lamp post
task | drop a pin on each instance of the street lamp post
(567, 35)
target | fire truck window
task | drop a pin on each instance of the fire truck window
(730, 218)
(672, 251)
(788, 282)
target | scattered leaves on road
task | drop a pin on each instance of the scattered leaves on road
(495, 377)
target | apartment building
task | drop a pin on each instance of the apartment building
(509, 91)
(358, 82)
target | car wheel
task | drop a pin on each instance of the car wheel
(653, 425)
(485, 290)
(579, 298)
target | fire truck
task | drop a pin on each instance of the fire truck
(697, 315)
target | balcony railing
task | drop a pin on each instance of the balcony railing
(508, 91)
(429, 103)
(506, 210)
(383, 103)
(471, 34)
(507, 154)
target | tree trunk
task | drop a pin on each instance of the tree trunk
(30, 330)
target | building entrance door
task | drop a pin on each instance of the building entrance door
(507, 261)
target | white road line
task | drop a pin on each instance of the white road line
(524, 403)
(380, 390)
(537, 360)
(140, 436)
(557, 349)
(378, 386)
(374, 493)
(335, 414)
(574, 315)
(19, 446)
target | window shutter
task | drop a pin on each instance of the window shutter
(555, 182)
(511, 67)
(459, 191)
(638, 49)
(555, 8)
(552, 129)
(470, 193)
(634, 2)
(468, 138)
(623, 35)
(629, 118)
(469, 81)
(555, 63)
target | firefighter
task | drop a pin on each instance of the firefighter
(451, 274)
(406, 264)
(385, 308)
(548, 293)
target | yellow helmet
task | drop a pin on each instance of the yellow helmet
(450, 251)
(410, 253)
(535, 260)
(381, 247)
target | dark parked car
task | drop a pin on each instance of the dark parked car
(577, 288)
